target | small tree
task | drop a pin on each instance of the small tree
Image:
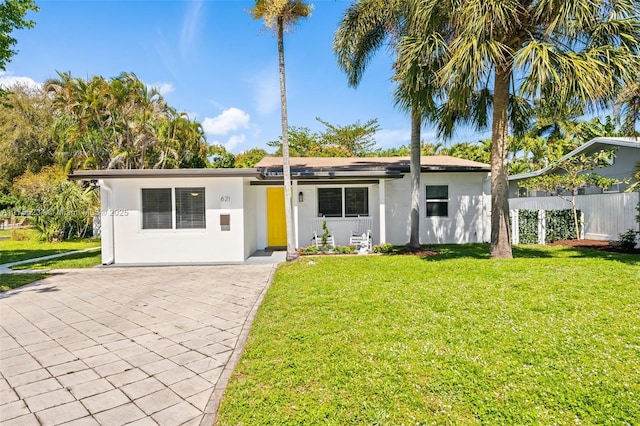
(573, 174)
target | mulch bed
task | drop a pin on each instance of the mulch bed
(422, 252)
(596, 244)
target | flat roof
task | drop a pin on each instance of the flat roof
(161, 173)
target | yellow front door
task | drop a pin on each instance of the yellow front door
(276, 220)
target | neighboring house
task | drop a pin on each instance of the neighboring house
(225, 215)
(627, 155)
(607, 213)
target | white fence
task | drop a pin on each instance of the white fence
(606, 216)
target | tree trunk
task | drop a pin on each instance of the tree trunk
(575, 214)
(286, 169)
(500, 232)
(414, 222)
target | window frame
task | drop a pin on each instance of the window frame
(176, 223)
(437, 200)
(343, 202)
(149, 226)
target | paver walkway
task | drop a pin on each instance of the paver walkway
(117, 346)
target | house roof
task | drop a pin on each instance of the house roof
(303, 168)
(160, 173)
(591, 147)
(312, 166)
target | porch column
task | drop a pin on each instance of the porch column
(382, 212)
(294, 194)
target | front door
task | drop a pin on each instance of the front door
(276, 220)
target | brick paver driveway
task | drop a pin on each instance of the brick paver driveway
(115, 346)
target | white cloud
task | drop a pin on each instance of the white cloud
(162, 88)
(228, 121)
(190, 25)
(7, 81)
(234, 141)
(392, 138)
(267, 87)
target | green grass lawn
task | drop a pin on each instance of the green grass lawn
(9, 281)
(551, 337)
(87, 259)
(31, 247)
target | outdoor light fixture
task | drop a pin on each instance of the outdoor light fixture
(195, 194)
(300, 196)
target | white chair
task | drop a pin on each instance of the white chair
(361, 236)
(318, 230)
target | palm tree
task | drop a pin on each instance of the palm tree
(572, 50)
(628, 106)
(366, 26)
(282, 15)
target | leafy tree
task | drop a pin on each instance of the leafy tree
(351, 140)
(500, 56)
(12, 17)
(356, 139)
(281, 15)
(26, 127)
(220, 158)
(249, 158)
(365, 27)
(572, 175)
(59, 208)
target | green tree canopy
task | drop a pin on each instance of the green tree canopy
(12, 17)
(26, 133)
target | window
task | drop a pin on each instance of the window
(356, 202)
(156, 208)
(437, 200)
(330, 202)
(190, 208)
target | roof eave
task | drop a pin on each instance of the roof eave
(161, 173)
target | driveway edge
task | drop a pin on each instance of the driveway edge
(211, 411)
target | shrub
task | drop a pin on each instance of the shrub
(309, 250)
(383, 248)
(628, 239)
(528, 222)
(344, 249)
(560, 225)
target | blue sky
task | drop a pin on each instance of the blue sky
(210, 59)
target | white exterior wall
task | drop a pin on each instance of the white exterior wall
(250, 223)
(134, 245)
(606, 216)
(340, 226)
(469, 209)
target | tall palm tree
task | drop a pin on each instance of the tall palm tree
(582, 50)
(366, 26)
(281, 15)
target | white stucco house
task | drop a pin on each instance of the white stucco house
(226, 215)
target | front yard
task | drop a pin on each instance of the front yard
(551, 337)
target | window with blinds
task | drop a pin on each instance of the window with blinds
(157, 208)
(190, 212)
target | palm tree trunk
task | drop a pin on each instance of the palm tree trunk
(286, 169)
(414, 166)
(500, 231)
